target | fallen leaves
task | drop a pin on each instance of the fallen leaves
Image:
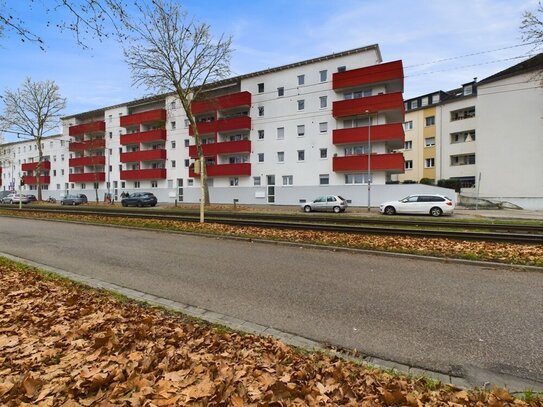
(98, 352)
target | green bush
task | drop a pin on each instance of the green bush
(450, 183)
(426, 181)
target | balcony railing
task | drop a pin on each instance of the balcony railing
(150, 116)
(28, 167)
(392, 134)
(86, 128)
(392, 163)
(31, 180)
(151, 173)
(88, 177)
(389, 71)
(223, 125)
(143, 155)
(143, 137)
(224, 170)
(369, 104)
(96, 144)
(227, 147)
(222, 103)
(89, 161)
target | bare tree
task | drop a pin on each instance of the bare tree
(33, 110)
(531, 26)
(172, 53)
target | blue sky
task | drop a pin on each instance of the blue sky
(277, 32)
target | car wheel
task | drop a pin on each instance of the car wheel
(62, 202)
(389, 210)
(337, 209)
(124, 204)
(74, 203)
(307, 208)
(140, 204)
(435, 211)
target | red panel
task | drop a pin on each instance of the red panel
(370, 104)
(82, 161)
(88, 177)
(158, 115)
(224, 125)
(28, 167)
(87, 128)
(151, 173)
(221, 103)
(144, 137)
(227, 147)
(225, 170)
(393, 162)
(29, 180)
(370, 74)
(88, 145)
(143, 155)
(381, 133)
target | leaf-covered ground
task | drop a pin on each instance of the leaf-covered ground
(65, 345)
(521, 254)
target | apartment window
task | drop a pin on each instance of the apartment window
(408, 145)
(465, 159)
(323, 75)
(301, 155)
(55, 173)
(341, 68)
(173, 163)
(173, 144)
(435, 98)
(301, 80)
(358, 178)
(323, 101)
(462, 114)
(58, 186)
(136, 184)
(280, 91)
(408, 164)
(414, 104)
(323, 127)
(261, 134)
(61, 172)
(256, 181)
(280, 133)
(324, 179)
(301, 104)
(260, 157)
(54, 158)
(429, 141)
(323, 152)
(154, 184)
(172, 125)
(187, 163)
(261, 110)
(281, 156)
(234, 181)
(288, 180)
(110, 134)
(301, 130)
(187, 122)
(190, 182)
(424, 101)
(260, 88)
(463, 137)
(429, 163)
(468, 90)
(62, 157)
(430, 121)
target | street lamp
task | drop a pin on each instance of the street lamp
(369, 158)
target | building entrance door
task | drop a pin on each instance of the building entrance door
(271, 188)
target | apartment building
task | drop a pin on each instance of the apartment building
(283, 135)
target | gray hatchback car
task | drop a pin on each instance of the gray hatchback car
(76, 199)
(326, 203)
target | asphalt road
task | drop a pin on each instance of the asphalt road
(438, 316)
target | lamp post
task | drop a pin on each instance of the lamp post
(369, 159)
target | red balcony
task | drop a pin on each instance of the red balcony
(143, 155)
(86, 128)
(151, 116)
(224, 170)
(151, 173)
(144, 137)
(29, 167)
(389, 71)
(222, 103)
(90, 161)
(223, 125)
(96, 144)
(393, 163)
(88, 177)
(30, 180)
(392, 134)
(369, 104)
(227, 147)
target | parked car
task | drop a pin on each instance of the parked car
(139, 199)
(31, 198)
(332, 203)
(15, 199)
(75, 199)
(435, 205)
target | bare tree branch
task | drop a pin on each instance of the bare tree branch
(531, 26)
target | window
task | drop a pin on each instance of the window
(55, 173)
(359, 178)
(301, 80)
(341, 68)
(435, 98)
(357, 94)
(234, 181)
(173, 163)
(256, 181)
(324, 179)
(280, 91)
(430, 121)
(301, 104)
(288, 179)
(187, 163)
(190, 182)
(260, 88)
(429, 141)
(323, 127)
(136, 184)
(323, 152)
(356, 150)
(261, 110)
(462, 114)
(261, 134)
(465, 159)
(301, 130)
(187, 122)
(281, 156)
(408, 145)
(429, 163)
(424, 101)
(463, 137)
(62, 157)
(260, 157)
(280, 133)
(414, 104)
(323, 75)
(54, 158)
(408, 164)
(172, 105)
(323, 101)
(468, 89)
(172, 125)
(301, 155)
(154, 184)
(62, 172)
(173, 144)
(186, 141)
